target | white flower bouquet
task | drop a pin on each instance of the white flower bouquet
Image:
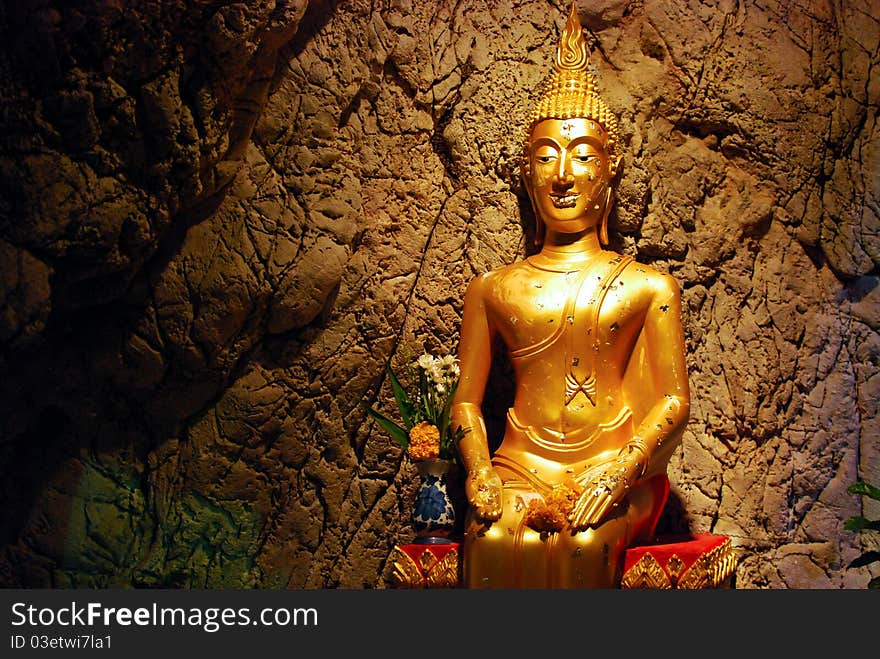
(426, 432)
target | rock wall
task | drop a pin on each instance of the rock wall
(219, 222)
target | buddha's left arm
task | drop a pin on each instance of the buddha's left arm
(665, 348)
(666, 417)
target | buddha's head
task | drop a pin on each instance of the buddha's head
(570, 152)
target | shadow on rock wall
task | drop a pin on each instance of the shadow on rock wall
(219, 223)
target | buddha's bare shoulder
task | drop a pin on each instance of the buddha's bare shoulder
(495, 282)
(660, 284)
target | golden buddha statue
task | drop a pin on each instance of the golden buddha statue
(596, 345)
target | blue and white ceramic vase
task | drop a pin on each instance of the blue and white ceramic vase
(433, 515)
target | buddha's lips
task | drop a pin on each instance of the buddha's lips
(564, 200)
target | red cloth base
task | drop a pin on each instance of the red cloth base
(660, 486)
(427, 565)
(702, 560)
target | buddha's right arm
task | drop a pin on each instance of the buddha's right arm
(474, 446)
(483, 486)
(475, 360)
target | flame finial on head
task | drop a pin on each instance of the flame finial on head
(572, 53)
(571, 90)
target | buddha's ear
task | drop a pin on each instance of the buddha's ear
(526, 172)
(539, 225)
(615, 165)
(606, 211)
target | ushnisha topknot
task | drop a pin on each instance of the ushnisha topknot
(570, 92)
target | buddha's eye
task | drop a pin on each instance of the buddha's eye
(545, 155)
(585, 158)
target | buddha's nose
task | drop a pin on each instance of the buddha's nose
(564, 176)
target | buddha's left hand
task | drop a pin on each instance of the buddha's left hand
(605, 491)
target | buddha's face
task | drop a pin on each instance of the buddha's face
(569, 173)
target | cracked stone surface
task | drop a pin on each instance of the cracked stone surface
(219, 222)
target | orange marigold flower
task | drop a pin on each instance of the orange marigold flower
(544, 518)
(550, 514)
(564, 497)
(424, 442)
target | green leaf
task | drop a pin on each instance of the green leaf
(404, 404)
(452, 438)
(424, 406)
(859, 523)
(865, 559)
(447, 410)
(455, 438)
(400, 435)
(864, 488)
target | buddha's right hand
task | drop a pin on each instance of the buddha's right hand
(483, 489)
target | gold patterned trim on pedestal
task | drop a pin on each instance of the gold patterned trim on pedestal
(406, 572)
(426, 571)
(444, 574)
(711, 569)
(674, 567)
(646, 573)
(427, 560)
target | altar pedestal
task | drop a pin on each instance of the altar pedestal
(427, 563)
(697, 561)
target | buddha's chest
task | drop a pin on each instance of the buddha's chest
(578, 313)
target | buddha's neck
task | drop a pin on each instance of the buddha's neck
(569, 249)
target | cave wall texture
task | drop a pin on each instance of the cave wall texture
(220, 221)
